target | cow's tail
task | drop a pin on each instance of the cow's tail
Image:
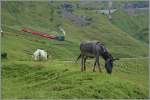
(78, 58)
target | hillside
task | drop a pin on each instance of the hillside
(29, 15)
(136, 26)
(59, 76)
(57, 79)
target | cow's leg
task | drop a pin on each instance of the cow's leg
(98, 65)
(35, 57)
(94, 66)
(84, 63)
(45, 57)
(97, 61)
(40, 56)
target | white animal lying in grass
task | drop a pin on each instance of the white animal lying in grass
(40, 55)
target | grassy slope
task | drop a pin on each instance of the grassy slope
(136, 26)
(58, 79)
(30, 15)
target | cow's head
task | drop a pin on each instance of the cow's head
(108, 58)
(109, 64)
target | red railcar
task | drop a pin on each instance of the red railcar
(44, 35)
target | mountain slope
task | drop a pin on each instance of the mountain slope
(136, 26)
(59, 77)
(17, 15)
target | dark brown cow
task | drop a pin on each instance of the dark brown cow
(94, 49)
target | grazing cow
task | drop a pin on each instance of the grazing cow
(40, 55)
(94, 49)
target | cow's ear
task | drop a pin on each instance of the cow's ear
(101, 43)
(115, 59)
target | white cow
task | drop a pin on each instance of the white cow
(40, 55)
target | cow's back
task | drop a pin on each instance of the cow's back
(88, 48)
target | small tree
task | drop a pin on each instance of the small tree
(52, 14)
(2, 33)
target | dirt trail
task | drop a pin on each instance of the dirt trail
(120, 59)
(74, 61)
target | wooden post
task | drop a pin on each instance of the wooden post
(109, 8)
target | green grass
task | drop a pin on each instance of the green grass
(100, 29)
(136, 26)
(59, 79)
(24, 78)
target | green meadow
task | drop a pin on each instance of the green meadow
(60, 77)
